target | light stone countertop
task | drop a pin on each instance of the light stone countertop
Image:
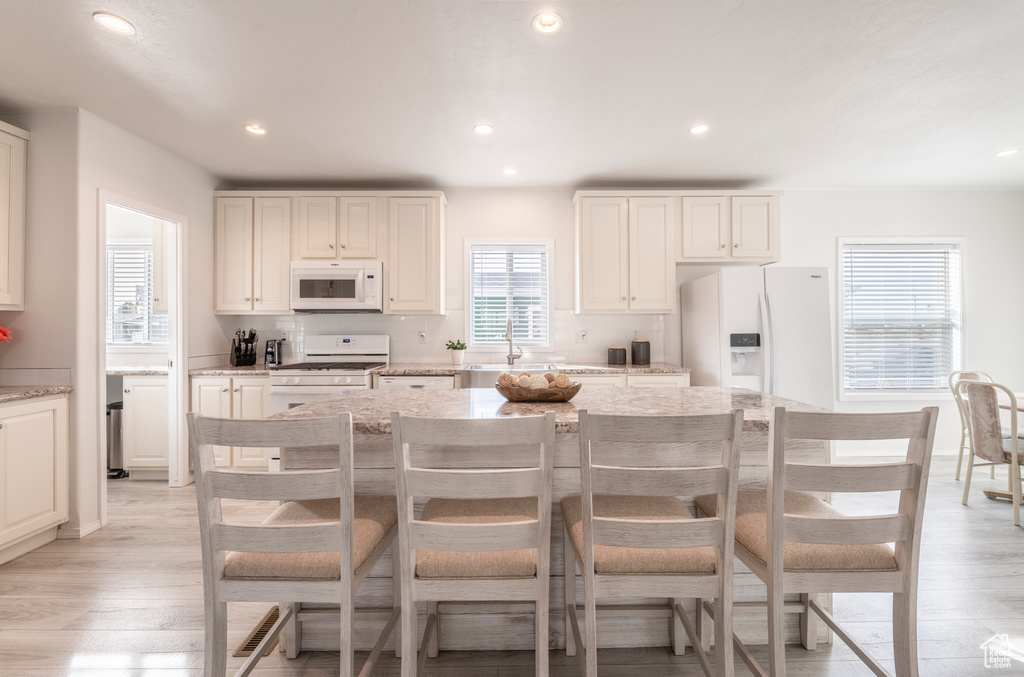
(371, 409)
(228, 370)
(137, 371)
(15, 393)
(447, 369)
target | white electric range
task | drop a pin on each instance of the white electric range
(334, 364)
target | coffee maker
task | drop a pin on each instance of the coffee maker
(273, 354)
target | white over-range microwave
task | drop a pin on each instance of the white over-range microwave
(337, 286)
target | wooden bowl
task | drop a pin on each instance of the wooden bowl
(517, 394)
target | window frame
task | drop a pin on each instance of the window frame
(129, 347)
(940, 394)
(549, 244)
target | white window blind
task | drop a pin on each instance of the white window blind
(130, 318)
(509, 282)
(901, 316)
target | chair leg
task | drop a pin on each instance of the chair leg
(703, 625)
(215, 658)
(808, 623)
(590, 623)
(904, 631)
(776, 631)
(396, 593)
(569, 584)
(725, 659)
(1015, 491)
(345, 647)
(675, 629)
(433, 646)
(967, 477)
(291, 635)
(960, 456)
(408, 632)
(541, 613)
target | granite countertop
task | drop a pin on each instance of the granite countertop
(371, 409)
(228, 370)
(15, 393)
(447, 369)
(137, 371)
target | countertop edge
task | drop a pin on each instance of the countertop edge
(18, 393)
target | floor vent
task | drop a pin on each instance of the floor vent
(256, 636)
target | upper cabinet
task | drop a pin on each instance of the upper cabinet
(252, 244)
(13, 153)
(738, 228)
(625, 254)
(337, 228)
(415, 268)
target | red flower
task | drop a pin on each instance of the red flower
(5, 334)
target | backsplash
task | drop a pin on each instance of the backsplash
(602, 331)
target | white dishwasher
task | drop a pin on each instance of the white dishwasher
(416, 382)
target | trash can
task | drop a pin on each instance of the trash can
(115, 449)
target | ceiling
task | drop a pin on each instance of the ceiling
(798, 93)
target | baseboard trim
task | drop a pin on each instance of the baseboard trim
(66, 533)
(27, 544)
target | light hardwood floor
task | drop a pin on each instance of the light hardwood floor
(127, 600)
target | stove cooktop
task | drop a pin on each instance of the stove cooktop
(329, 366)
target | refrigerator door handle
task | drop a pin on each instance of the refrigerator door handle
(769, 325)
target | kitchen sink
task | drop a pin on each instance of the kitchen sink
(486, 375)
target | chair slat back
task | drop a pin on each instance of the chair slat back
(909, 477)
(721, 479)
(985, 426)
(525, 434)
(961, 405)
(214, 484)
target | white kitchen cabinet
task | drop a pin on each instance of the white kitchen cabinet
(600, 380)
(658, 380)
(318, 227)
(625, 257)
(357, 227)
(252, 239)
(13, 153)
(240, 397)
(159, 287)
(755, 228)
(144, 427)
(706, 230)
(33, 473)
(416, 264)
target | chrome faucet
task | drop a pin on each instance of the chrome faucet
(508, 337)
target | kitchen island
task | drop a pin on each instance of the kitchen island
(510, 626)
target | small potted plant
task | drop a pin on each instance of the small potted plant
(458, 349)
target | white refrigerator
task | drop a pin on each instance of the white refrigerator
(767, 329)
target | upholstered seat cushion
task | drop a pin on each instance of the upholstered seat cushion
(752, 534)
(1008, 448)
(615, 560)
(477, 565)
(374, 518)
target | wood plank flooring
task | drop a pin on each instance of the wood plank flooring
(127, 601)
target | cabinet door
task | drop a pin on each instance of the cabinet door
(233, 245)
(415, 263)
(145, 422)
(705, 233)
(211, 396)
(357, 227)
(652, 266)
(33, 467)
(755, 227)
(603, 254)
(250, 399)
(318, 227)
(12, 221)
(272, 254)
(160, 234)
(658, 380)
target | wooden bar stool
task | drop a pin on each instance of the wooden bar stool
(632, 536)
(485, 532)
(318, 546)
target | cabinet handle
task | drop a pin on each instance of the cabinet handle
(236, 390)
(736, 246)
(331, 246)
(1, 426)
(342, 246)
(223, 390)
(246, 298)
(155, 299)
(257, 299)
(127, 390)
(634, 298)
(723, 246)
(623, 298)
(392, 299)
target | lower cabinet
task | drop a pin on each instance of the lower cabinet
(241, 397)
(144, 427)
(632, 380)
(33, 473)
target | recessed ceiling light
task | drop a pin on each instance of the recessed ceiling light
(113, 22)
(1006, 153)
(509, 171)
(546, 23)
(483, 129)
(255, 129)
(699, 129)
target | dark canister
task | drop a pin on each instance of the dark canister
(641, 349)
(616, 355)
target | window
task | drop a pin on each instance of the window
(508, 281)
(130, 313)
(901, 315)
